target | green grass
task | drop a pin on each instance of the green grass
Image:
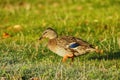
(22, 56)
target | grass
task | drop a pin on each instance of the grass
(23, 57)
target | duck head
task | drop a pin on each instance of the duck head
(49, 33)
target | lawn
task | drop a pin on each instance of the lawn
(24, 57)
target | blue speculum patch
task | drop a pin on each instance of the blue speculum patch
(74, 45)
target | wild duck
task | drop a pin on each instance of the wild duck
(67, 46)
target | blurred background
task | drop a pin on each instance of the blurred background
(22, 56)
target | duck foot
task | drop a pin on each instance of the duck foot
(68, 56)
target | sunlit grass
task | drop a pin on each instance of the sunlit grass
(23, 57)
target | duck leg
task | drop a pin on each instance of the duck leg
(67, 56)
(72, 59)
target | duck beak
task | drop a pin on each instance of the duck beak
(40, 38)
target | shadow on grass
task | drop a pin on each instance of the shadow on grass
(107, 56)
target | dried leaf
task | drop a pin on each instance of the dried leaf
(55, 4)
(5, 35)
(9, 8)
(17, 28)
(9, 28)
(79, 8)
(98, 50)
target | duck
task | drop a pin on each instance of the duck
(67, 46)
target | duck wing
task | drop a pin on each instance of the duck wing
(73, 44)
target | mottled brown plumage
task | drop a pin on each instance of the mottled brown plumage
(66, 46)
